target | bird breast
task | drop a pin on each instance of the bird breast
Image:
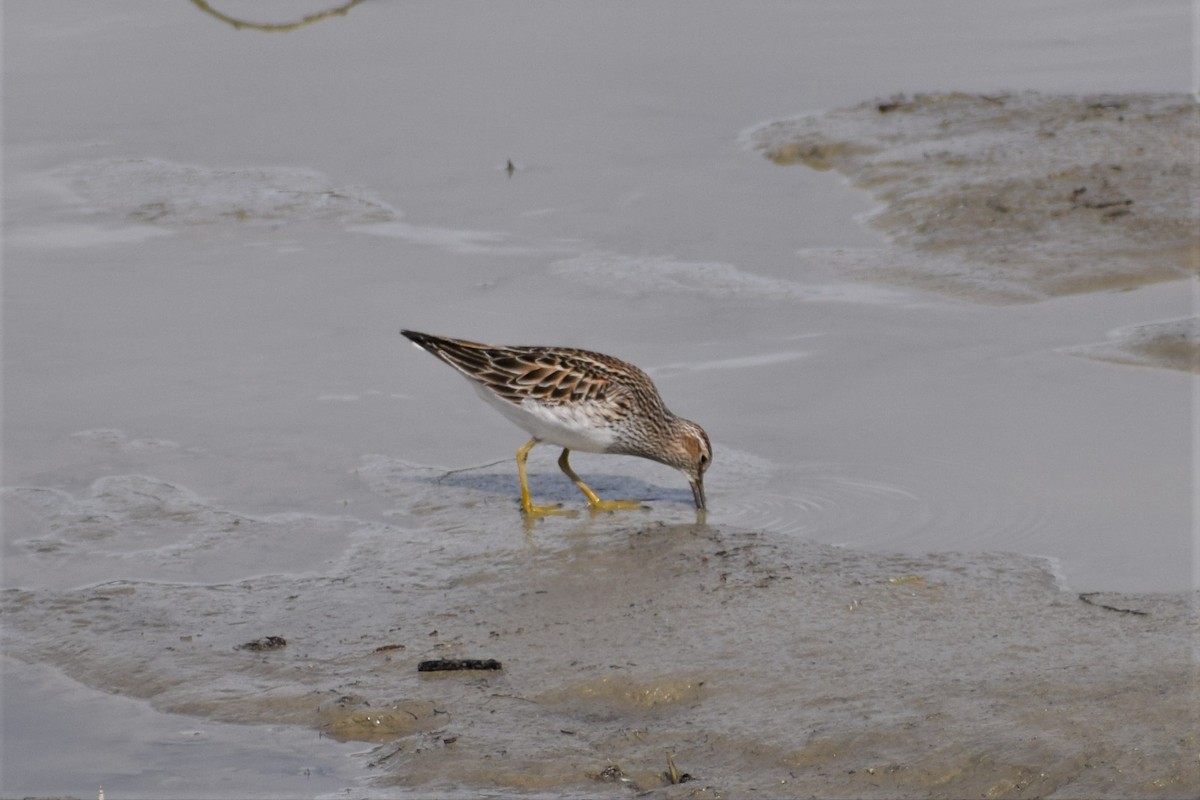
(571, 425)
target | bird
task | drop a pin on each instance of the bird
(577, 400)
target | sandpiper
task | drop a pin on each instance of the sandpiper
(577, 400)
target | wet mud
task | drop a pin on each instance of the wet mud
(636, 655)
(1171, 343)
(1016, 198)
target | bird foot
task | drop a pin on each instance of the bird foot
(616, 505)
(533, 512)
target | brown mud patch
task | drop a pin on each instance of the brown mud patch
(1171, 343)
(1016, 198)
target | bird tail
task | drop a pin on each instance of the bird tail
(467, 357)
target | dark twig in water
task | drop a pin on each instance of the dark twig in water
(382, 759)
(263, 644)
(238, 24)
(1087, 598)
(448, 473)
(453, 664)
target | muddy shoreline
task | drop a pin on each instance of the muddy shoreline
(1013, 198)
(866, 675)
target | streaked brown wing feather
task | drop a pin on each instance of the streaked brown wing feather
(550, 375)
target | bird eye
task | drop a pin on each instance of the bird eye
(703, 459)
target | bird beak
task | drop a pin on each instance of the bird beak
(698, 493)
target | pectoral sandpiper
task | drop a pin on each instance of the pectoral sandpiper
(577, 400)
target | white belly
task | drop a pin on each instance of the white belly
(564, 425)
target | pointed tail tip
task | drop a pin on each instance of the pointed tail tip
(417, 338)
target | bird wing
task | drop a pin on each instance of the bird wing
(552, 376)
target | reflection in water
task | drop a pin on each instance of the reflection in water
(282, 27)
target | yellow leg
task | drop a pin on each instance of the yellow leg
(526, 502)
(594, 502)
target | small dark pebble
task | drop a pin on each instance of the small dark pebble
(453, 664)
(265, 643)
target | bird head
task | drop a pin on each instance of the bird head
(692, 455)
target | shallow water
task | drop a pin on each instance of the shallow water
(123, 743)
(213, 433)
